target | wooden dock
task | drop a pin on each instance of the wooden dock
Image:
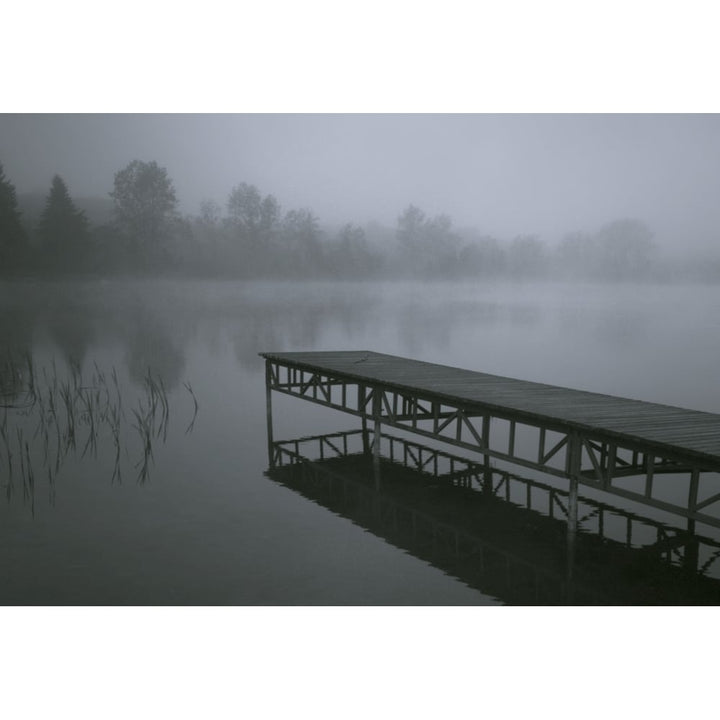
(586, 437)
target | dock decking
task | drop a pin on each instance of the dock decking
(692, 433)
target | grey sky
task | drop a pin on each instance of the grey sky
(505, 174)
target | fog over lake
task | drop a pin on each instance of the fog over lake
(206, 525)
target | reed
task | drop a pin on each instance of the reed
(10, 486)
(48, 411)
(190, 427)
(30, 479)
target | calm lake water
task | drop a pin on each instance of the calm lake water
(196, 520)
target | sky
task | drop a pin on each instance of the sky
(505, 174)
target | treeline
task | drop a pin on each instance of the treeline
(251, 236)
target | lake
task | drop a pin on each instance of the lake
(160, 495)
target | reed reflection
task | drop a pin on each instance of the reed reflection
(506, 537)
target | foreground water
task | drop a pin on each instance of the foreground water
(197, 520)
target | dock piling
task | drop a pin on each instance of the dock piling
(376, 408)
(268, 406)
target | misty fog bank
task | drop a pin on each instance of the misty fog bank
(508, 174)
(138, 229)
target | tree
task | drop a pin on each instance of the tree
(63, 229)
(269, 218)
(626, 249)
(244, 210)
(620, 250)
(253, 218)
(302, 228)
(576, 255)
(13, 241)
(210, 213)
(482, 255)
(144, 202)
(253, 222)
(429, 245)
(301, 234)
(526, 256)
(410, 226)
(350, 254)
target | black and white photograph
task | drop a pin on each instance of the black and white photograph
(359, 360)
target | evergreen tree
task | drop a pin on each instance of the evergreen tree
(63, 229)
(13, 241)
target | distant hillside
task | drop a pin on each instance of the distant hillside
(97, 209)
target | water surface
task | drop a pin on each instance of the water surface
(207, 525)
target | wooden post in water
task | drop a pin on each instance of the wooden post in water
(570, 548)
(573, 506)
(361, 408)
(487, 468)
(376, 406)
(268, 406)
(692, 546)
(573, 464)
(572, 467)
(365, 439)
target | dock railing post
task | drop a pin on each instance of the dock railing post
(268, 405)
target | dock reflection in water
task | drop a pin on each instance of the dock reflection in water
(504, 535)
